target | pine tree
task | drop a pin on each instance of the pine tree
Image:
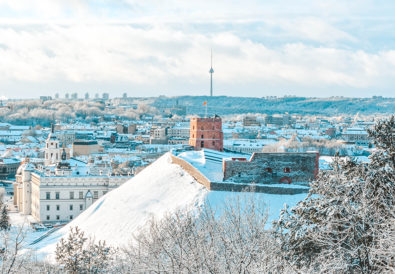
(348, 215)
(69, 253)
(4, 220)
(77, 254)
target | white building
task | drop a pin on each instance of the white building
(248, 146)
(61, 189)
(358, 136)
(52, 150)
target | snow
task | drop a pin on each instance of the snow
(209, 162)
(161, 188)
(212, 170)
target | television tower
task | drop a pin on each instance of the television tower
(211, 74)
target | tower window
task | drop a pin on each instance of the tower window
(202, 144)
(202, 136)
(71, 207)
(48, 207)
(48, 195)
(57, 207)
(57, 195)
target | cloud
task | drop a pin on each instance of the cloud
(132, 43)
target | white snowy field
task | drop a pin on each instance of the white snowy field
(160, 188)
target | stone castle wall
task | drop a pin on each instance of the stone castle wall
(266, 168)
(233, 187)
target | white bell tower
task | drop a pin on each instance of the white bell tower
(52, 149)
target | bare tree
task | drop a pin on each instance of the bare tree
(232, 239)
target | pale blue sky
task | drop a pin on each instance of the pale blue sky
(149, 48)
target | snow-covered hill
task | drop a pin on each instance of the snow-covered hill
(160, 188)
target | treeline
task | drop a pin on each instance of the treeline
(37, 112)
(307, 143)
(224, 105)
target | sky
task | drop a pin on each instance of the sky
(151, 47)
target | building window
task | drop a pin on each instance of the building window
(213, 143)
(71, 195)
(268, 169)
(71, 217)
(81, 207)
(47, 217)
(57, 217)
(202, 136)
(202, 144)
(95, 194)
(71, 207)
(57, 195)
(81, 195)
(287, 170)
(57, 207)
(48, 208)
(48, 195)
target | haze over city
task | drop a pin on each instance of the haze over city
(151, 48)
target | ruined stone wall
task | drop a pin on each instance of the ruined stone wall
(256, 188)
(196, 174)
(273, 168)
(233, 187)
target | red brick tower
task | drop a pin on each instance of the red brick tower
(206, 133)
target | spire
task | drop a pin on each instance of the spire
(211, 74)
(52, 128)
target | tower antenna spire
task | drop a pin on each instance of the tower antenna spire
(211, 74)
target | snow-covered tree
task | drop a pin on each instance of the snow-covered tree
(4, 219)
(79, 254)
(344, 223)
(231, 239)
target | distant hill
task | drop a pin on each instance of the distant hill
(295, 105)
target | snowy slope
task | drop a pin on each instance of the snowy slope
(160, 188)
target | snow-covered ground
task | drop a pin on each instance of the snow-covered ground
(161, 188)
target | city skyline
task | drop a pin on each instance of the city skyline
(319, 49)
